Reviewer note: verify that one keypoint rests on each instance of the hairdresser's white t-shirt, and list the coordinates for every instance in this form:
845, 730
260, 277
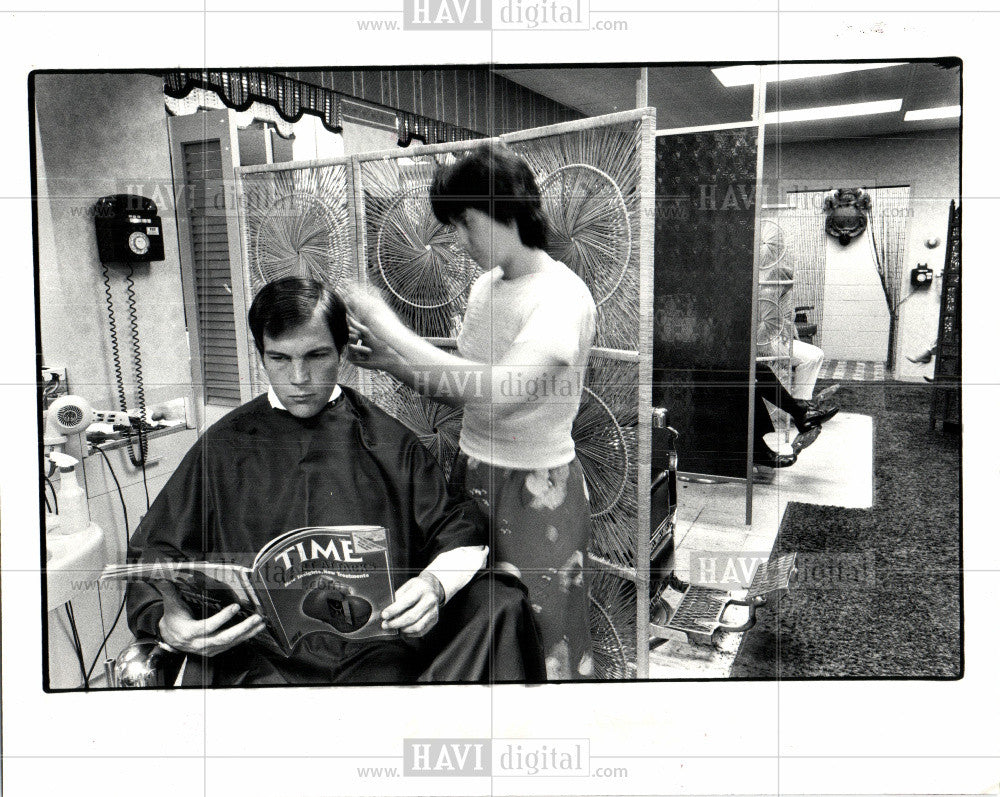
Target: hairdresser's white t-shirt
554, 308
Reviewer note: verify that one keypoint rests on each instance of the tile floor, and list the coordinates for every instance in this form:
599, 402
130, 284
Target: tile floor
852, 370
836, 470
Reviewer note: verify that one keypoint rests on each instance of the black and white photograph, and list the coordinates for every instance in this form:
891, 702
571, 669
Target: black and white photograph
560, 423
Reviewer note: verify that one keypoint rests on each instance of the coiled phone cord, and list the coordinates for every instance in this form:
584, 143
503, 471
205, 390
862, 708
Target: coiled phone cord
140, 395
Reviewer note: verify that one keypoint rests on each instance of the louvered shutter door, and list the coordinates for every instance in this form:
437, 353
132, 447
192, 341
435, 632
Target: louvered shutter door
210, 245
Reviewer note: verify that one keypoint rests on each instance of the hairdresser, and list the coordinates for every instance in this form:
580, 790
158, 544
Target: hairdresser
522, 354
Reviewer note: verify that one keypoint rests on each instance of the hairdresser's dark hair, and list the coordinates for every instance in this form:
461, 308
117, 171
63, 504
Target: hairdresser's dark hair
495, 181
287, 303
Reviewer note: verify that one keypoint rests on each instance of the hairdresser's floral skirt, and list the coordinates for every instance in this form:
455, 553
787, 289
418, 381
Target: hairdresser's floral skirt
539, 529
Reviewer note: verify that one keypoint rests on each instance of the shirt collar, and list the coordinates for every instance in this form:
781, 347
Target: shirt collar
275, 402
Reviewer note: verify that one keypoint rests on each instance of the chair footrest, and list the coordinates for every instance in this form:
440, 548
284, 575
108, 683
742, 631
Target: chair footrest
771, 579
699, 614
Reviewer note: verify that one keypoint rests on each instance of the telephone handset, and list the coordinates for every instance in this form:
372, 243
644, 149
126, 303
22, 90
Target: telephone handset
128, 232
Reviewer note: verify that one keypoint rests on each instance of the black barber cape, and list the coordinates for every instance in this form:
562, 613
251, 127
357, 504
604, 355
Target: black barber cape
260, 472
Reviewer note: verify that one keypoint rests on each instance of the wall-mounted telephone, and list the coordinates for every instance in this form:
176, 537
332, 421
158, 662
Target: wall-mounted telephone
128, 229
921, 276
128, 232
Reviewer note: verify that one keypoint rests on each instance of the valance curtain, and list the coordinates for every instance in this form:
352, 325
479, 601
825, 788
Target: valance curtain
410, 126
240, 89
199, 98
888, 221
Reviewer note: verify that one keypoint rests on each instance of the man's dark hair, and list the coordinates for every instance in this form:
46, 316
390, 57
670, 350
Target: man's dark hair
290, 302
497, 182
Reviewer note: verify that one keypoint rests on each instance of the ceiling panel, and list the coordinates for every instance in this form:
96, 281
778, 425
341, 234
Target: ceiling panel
691, 95
591, 90
687, 96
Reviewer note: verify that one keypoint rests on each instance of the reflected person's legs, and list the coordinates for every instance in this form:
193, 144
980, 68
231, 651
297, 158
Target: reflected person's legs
770, 387
806, 363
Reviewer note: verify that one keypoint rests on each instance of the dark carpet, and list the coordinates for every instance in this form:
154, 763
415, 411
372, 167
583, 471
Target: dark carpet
877, 593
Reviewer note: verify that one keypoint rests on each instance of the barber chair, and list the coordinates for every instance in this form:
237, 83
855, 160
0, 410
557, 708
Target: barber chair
804, 330
144, 664
700, 612
663, 515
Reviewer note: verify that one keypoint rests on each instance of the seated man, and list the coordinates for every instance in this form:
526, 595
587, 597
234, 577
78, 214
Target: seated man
313, 453
806, 359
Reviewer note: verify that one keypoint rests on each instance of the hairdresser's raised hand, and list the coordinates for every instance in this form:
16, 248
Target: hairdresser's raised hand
366, 306
366, 349
180, 631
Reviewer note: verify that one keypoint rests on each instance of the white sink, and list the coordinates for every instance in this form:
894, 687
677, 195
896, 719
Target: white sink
74, 562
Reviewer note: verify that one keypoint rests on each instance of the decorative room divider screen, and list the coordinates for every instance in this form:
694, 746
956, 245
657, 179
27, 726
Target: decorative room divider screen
705, 295
368, 219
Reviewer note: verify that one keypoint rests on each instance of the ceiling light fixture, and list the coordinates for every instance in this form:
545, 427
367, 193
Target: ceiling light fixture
832, 111
730, 76
945, 112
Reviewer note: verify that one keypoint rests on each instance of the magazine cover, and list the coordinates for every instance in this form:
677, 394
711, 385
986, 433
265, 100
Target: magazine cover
325, 579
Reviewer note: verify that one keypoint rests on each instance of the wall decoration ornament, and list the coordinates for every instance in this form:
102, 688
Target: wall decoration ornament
603, 451
408, 254
437, 425
772, 245
846, 213
774, 305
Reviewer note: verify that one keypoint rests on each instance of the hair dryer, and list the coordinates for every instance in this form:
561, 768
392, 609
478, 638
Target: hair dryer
73, 414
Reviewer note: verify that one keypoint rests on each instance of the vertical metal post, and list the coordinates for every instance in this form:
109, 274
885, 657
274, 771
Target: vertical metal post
759, 96
642, 88
647, 211
356, 208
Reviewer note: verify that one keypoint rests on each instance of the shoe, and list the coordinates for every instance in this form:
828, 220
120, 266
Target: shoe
924, 357
813, 418
805, 439
771, 460
824, 395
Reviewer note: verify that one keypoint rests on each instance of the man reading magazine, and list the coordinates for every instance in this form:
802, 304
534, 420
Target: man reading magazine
313, 453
